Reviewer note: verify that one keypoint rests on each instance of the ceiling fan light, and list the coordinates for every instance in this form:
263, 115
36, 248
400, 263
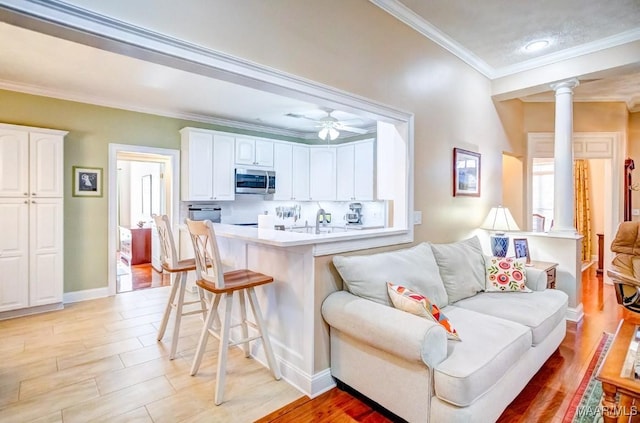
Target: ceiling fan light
324, 132
333, 133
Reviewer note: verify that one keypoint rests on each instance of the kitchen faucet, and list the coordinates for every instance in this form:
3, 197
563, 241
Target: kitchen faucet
320, 216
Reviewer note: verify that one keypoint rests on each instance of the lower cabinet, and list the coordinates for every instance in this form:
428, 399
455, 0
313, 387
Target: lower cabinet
31, 252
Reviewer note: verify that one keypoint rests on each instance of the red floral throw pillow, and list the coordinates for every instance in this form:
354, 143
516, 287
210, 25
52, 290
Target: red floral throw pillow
506, 274
414, 303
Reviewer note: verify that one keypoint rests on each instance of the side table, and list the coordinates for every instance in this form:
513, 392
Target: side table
617, 387
549, 268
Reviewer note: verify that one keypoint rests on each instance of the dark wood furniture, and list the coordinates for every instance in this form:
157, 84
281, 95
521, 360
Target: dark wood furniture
617, 386
135, 245
548, 267
600, 252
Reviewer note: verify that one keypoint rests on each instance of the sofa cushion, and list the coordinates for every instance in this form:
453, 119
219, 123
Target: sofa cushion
367, 276
505, 274
541, 311
491, 347
414, 303
461, 266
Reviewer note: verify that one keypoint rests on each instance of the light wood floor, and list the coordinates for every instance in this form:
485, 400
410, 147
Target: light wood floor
99, 361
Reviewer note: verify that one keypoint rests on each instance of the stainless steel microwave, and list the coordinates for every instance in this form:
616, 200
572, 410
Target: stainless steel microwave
255, 181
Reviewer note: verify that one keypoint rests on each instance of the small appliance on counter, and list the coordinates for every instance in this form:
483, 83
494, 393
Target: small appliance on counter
205, 213
354, 217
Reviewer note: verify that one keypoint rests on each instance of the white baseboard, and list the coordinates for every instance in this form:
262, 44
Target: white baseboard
87, 294
575, 314
30, 310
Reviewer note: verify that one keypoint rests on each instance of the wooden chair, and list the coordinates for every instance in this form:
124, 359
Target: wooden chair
179, 268
538, 222
223, 285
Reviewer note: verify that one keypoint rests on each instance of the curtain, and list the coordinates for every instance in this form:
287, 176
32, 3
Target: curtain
583, 207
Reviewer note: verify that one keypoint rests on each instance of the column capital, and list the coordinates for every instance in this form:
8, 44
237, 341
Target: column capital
565, 86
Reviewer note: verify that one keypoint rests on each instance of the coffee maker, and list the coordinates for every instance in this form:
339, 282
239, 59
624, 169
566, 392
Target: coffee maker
354, 217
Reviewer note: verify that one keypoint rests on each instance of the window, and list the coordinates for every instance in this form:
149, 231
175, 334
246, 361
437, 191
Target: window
542, 190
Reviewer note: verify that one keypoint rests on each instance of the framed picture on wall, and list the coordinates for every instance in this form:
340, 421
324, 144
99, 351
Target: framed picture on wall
521, 247
466, 173
87, 181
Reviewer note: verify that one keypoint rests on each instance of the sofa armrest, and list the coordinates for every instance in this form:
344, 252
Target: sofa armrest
395, 331
536, 279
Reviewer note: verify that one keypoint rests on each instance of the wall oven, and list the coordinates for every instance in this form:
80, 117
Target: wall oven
255, 181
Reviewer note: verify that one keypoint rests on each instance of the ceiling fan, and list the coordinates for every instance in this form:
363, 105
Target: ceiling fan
330, 127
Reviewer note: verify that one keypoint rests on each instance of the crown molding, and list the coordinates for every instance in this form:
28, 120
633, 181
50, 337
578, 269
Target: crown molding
409, 17
195, 117
406, 15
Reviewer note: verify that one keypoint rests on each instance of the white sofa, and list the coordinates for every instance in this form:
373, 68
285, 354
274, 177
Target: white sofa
405, 362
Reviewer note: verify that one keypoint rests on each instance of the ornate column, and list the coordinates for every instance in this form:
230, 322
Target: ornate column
563, 198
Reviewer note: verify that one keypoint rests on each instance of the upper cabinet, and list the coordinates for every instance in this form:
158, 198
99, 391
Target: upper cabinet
254, 152
355, 171
322, 173
207, 165
31, 162
291, 164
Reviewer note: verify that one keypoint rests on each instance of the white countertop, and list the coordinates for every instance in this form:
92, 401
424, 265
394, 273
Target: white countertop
292, 239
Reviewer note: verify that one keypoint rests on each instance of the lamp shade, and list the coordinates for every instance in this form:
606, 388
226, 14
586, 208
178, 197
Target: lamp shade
499, 219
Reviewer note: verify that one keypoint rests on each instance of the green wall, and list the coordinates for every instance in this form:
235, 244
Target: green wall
91, 130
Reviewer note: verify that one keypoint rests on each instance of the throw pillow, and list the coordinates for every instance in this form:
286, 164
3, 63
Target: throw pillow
366, 275
414, 303
461, 267
506, 274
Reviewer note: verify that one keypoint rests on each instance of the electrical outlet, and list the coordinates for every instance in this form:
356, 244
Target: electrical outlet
635, 212
417, 217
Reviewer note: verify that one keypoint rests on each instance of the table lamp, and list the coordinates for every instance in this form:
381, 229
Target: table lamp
499, 220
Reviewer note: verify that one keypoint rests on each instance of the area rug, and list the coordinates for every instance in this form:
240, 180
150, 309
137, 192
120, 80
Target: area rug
585, 404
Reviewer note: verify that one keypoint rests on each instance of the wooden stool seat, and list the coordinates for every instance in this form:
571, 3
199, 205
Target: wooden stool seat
171, 264
223, 285
235, 280
181, 266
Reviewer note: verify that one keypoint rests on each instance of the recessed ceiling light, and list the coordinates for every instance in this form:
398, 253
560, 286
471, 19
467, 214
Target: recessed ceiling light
536, 45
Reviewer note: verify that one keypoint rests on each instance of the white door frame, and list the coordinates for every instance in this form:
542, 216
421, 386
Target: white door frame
174, 169
609, 146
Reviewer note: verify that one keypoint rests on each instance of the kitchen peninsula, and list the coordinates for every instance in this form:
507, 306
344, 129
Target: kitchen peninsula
299, 263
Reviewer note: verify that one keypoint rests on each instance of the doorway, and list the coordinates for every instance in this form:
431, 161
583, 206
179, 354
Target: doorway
145, 181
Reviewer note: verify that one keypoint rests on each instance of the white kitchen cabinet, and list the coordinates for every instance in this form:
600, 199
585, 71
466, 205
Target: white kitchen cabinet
291, 164
354, 170
322, 173
31, 162
207, 165
14, 253
300, 171
31, 218
45, 251
254, 152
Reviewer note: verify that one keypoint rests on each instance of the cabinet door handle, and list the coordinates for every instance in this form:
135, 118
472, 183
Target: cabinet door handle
26, 202
26, 193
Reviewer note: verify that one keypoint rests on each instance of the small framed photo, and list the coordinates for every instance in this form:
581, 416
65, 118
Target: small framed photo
521, 247
466, 173
87, 181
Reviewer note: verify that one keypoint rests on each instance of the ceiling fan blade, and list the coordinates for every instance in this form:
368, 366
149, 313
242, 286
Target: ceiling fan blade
355, 130
297, 116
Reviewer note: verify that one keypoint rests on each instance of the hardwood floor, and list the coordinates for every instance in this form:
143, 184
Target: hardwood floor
139, 276
99, 360
546, 397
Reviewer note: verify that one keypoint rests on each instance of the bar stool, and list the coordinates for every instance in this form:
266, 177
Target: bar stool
179, 268
223, 284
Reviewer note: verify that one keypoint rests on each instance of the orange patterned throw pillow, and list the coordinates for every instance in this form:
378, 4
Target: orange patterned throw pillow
506, 274
414, 303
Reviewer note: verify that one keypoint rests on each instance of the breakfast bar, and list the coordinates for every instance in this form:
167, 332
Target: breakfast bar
299, 262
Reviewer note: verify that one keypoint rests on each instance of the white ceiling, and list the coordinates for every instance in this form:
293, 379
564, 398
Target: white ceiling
486, 34
490, 35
